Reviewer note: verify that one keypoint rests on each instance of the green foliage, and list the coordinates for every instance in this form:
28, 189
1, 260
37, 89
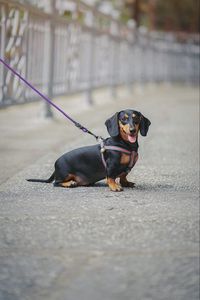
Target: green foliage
181, 15
173, 15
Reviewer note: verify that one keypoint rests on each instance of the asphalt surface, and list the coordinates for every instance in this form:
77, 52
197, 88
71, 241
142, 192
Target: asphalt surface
90, 243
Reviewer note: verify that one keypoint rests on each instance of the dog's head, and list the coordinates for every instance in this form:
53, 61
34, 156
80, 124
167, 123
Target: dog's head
127, 124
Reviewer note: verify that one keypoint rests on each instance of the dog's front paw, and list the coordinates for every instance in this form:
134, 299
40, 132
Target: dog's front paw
115, 187
127, 184
124, 182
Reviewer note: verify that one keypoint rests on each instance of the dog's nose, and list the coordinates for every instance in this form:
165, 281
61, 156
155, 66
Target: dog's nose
132, 130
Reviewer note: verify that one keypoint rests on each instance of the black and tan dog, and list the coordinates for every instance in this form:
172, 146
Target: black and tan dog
87, 165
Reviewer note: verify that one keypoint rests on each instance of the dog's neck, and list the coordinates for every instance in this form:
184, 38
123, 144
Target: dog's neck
117, 141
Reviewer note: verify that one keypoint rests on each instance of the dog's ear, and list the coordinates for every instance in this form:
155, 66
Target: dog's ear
112, 125
144, 125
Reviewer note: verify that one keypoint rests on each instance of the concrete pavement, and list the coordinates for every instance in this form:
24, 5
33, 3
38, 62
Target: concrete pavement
90, 243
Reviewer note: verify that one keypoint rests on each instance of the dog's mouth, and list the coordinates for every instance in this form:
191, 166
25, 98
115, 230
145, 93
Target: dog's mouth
132, 138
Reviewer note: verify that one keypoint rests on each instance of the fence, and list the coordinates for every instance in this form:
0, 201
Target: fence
60, 54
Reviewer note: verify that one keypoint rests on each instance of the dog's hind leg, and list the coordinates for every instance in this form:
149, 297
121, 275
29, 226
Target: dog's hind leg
68, 182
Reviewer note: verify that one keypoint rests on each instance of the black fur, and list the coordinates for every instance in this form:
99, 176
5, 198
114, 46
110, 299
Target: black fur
85, 163
112, 125
144, 125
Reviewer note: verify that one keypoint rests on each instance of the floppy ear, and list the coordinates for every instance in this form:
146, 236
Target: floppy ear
112, 125
144, 125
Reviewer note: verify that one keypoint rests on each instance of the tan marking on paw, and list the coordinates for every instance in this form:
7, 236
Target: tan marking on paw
69, 184
113, 185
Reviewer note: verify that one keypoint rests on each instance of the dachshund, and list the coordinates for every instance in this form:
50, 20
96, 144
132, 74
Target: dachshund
112, 159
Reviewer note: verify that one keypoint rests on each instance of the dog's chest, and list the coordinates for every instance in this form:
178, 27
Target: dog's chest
125, 159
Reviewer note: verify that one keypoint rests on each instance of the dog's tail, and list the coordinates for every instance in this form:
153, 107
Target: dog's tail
51, 178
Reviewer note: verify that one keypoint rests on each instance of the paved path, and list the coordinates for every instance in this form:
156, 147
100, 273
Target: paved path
93, 244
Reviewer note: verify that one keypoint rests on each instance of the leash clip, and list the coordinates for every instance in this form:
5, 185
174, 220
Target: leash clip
101, 142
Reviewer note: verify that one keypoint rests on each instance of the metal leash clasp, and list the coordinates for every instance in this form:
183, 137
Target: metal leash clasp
101, 142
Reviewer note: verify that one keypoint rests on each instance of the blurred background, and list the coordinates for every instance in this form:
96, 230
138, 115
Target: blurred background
95, 58
69, 46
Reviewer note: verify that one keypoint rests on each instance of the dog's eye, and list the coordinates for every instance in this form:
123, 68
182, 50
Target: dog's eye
124, 118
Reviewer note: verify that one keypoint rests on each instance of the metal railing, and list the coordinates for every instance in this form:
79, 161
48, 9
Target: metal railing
62, 55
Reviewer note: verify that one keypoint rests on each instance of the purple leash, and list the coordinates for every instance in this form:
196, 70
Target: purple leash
48, 100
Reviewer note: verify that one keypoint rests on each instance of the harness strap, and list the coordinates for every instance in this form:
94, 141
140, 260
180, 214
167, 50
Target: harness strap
133, 160
103, 160
119, 149
133, 154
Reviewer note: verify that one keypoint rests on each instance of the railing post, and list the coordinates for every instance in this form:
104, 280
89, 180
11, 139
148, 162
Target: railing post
89, 97
114, 71
2, 51
47, 109
114, 31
